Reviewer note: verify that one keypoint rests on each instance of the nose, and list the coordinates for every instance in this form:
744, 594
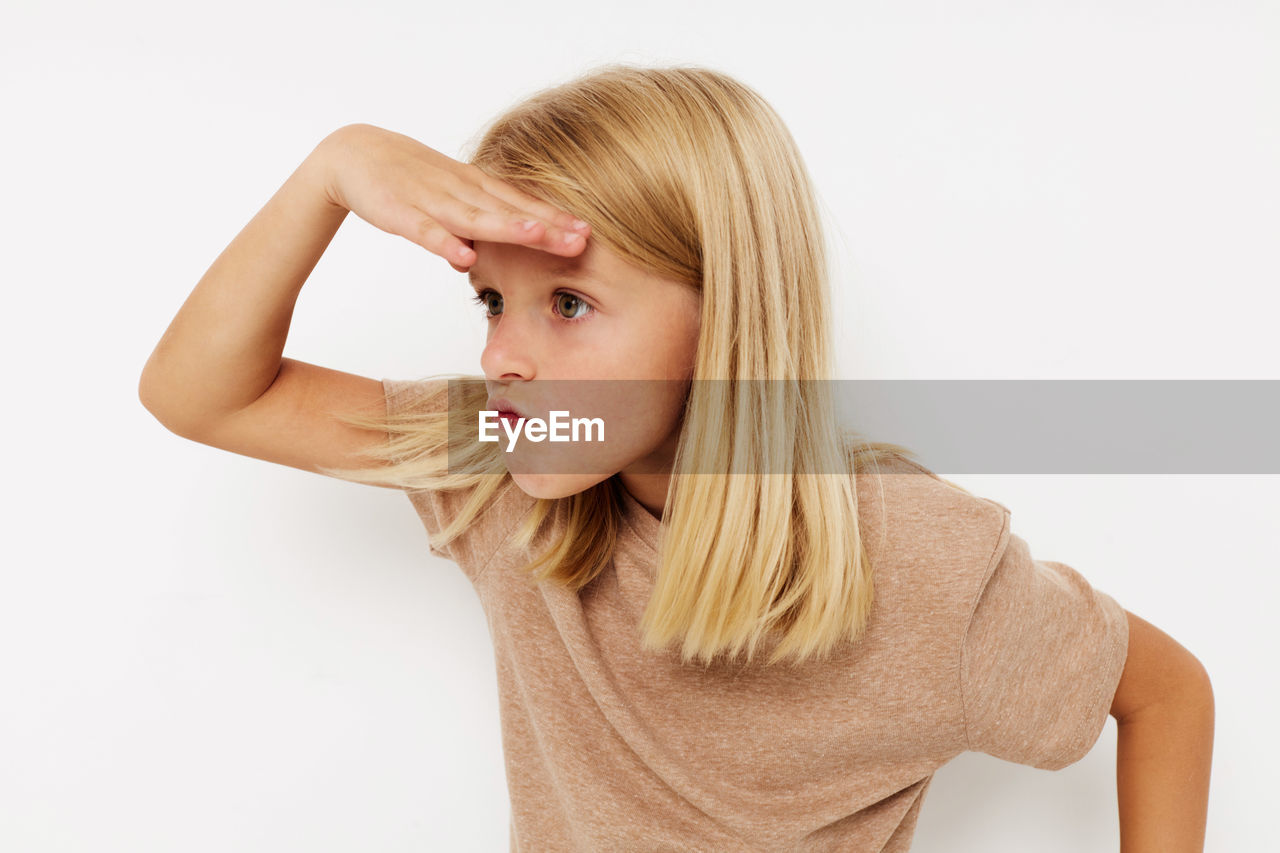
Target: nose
508, 352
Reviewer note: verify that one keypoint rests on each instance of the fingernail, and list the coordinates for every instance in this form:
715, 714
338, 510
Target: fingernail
580, 225
570, 237
528, 224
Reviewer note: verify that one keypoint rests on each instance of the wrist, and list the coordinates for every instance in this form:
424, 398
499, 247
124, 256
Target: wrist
319, 172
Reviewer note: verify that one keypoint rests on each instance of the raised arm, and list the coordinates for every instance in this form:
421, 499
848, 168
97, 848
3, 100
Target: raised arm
218, 375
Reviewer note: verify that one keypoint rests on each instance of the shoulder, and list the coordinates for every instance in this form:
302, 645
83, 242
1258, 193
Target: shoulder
417, 395
486, 507
925, 513
931, 542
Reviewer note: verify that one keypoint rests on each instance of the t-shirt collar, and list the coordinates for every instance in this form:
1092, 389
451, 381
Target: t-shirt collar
639, 519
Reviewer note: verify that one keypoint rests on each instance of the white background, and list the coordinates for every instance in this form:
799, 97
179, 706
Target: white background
206, 652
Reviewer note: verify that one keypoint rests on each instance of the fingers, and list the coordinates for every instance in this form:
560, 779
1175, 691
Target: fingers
435, 237
483, 217
560, 241
517, 199
554, 228
471, 258
465, 204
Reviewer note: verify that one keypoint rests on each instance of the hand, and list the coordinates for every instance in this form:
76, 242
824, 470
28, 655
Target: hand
401, 186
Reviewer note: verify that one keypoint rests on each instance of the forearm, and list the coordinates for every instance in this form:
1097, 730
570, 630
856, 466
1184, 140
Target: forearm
223, 349
1164, 753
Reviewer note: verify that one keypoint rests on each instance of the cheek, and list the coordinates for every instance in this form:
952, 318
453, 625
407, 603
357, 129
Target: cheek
666, 352
638, 413
682, 346
649, 423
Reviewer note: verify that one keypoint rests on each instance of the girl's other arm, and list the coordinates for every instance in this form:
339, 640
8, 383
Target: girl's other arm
1164, 713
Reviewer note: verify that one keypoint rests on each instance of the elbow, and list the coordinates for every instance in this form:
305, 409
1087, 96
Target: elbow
153, 401
149, 400
146, 398
147, 395
143, 393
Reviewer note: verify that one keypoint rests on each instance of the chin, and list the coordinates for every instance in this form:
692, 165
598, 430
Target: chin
551, 486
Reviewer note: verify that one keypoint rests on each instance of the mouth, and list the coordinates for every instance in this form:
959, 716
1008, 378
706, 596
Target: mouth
505, 409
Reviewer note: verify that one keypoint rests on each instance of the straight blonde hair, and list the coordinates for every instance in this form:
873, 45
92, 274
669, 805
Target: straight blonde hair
688, 173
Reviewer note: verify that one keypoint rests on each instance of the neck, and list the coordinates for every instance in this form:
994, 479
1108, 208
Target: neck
649, 490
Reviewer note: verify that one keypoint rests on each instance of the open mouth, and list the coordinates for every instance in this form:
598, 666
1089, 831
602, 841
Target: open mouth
505, 409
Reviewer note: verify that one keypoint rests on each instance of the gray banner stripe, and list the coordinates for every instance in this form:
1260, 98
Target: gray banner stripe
1074, 426
956, 426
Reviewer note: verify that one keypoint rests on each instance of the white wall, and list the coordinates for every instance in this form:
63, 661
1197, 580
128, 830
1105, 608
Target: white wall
201, 651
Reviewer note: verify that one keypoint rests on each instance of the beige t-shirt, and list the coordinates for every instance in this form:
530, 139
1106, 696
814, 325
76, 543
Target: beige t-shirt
972, 645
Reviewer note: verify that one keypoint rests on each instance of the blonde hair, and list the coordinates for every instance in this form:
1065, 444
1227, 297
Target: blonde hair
691, 174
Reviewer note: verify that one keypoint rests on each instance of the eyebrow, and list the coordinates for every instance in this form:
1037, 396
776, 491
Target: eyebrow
558, 271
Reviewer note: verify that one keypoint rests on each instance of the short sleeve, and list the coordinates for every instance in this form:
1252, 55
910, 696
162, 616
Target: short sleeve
1042, 657
472, 549
425, 396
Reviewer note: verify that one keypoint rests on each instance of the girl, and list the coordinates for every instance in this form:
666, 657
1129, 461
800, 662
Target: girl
739, 627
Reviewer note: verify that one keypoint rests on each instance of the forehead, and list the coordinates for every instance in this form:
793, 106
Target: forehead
498, 262
557, 271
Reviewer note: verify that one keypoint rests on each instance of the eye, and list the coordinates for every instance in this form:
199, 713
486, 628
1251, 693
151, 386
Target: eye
563, 298
571, 307
483, 297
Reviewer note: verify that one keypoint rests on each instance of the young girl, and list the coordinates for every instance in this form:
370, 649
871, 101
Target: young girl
739, 627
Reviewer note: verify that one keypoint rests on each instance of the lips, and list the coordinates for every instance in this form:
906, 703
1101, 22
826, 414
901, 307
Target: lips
504, 406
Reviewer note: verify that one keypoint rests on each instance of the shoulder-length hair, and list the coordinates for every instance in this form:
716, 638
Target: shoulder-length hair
688, 173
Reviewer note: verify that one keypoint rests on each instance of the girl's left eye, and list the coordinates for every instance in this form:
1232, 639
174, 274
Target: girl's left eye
577, 308
573, 301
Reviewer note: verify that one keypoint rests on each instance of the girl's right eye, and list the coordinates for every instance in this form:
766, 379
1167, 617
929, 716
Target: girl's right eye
483, 298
